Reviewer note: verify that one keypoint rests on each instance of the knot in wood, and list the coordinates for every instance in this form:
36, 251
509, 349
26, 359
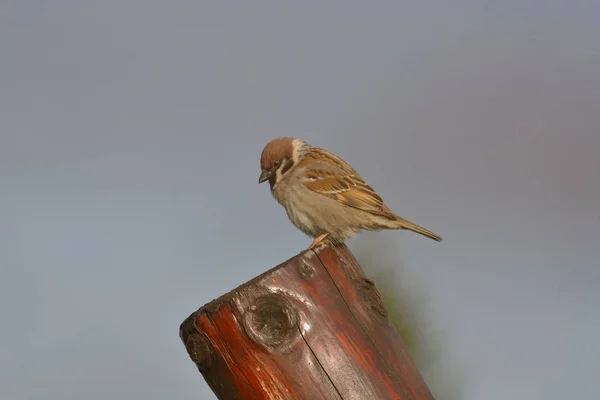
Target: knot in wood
271, 320
371, 298
306, 270
197, 347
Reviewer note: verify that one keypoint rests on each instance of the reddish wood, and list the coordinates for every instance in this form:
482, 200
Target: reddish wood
313, 327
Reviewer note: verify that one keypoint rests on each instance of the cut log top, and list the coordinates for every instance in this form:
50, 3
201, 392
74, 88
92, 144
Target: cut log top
313, 327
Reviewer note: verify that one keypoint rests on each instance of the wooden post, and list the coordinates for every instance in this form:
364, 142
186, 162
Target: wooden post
311, 328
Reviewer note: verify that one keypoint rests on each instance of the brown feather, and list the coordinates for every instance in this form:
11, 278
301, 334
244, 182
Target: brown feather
276, 150
342, 183
411, 226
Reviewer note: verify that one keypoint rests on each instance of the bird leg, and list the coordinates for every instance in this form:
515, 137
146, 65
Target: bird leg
319, 241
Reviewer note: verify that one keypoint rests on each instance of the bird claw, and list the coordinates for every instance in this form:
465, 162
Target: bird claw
320, 241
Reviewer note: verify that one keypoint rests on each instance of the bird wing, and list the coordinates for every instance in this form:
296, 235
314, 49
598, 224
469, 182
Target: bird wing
332, 177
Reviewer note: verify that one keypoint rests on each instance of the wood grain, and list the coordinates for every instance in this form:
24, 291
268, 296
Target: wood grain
313, 327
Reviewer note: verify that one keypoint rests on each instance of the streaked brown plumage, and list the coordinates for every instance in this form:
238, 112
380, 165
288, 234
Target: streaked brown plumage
324, 196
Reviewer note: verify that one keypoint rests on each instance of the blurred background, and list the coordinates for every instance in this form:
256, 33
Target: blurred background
130, 137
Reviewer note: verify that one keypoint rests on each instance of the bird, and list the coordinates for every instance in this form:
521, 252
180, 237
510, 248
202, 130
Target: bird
324, 196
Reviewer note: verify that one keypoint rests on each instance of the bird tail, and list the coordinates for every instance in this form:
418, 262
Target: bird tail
404, 224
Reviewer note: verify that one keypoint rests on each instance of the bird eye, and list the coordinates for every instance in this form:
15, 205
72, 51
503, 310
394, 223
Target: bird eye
277, 163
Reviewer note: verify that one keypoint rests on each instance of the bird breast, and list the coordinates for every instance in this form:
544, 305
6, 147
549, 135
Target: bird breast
296, 201
314, 213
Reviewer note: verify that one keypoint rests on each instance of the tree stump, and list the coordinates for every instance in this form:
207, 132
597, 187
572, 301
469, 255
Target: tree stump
311, 328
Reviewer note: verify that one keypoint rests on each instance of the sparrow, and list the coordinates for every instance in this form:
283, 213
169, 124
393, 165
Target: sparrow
323, 195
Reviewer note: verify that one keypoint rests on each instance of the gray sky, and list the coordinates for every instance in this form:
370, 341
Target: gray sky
129, 153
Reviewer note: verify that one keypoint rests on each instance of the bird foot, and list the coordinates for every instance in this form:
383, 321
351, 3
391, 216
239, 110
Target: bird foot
320, 241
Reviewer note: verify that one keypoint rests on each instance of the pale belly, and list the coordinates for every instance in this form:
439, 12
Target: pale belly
302, 220
315, 214
299, 208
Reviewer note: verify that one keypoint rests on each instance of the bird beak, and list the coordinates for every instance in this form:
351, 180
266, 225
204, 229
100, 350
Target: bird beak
264, 176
